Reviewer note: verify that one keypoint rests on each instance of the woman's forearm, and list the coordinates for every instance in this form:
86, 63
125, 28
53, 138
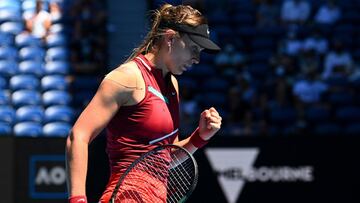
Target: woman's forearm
76, 165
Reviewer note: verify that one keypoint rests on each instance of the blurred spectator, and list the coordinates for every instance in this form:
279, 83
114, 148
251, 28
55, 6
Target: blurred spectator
229, 60
291, 45
328, 13
189, 109
310, 89
39, 24
268, 13
88, 41
55, 12
295, 11
316, 42
232, 123
309, 61
338, 61
281, 94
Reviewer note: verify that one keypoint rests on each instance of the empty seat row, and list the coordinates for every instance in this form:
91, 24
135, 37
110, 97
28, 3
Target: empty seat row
10, 68
36, 114
33, 53
31, 82
35, 129
32, 97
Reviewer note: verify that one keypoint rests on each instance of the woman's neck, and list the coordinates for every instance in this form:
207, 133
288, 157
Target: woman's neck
157, 62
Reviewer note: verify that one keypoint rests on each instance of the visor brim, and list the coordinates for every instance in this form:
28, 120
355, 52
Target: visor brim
208, 45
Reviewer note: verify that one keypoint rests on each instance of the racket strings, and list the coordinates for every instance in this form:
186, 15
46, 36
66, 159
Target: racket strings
133, 180
168, 176
180, 177
149, 166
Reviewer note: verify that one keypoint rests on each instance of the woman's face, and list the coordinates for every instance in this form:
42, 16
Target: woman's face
183, 53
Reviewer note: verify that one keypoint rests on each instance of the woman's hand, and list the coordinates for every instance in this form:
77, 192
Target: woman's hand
209, 124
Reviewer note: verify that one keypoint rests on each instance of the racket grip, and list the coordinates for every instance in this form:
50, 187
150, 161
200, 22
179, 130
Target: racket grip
78, 199
196, 140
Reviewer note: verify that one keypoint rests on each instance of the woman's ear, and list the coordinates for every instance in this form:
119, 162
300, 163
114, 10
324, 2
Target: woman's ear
169, 36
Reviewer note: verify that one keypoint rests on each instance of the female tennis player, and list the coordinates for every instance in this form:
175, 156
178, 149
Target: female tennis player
138, 102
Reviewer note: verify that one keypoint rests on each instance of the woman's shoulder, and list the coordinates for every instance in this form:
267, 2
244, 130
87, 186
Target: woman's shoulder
126, 75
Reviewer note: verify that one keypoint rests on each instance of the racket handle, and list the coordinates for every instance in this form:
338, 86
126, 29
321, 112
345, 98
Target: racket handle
78, 199
196, 140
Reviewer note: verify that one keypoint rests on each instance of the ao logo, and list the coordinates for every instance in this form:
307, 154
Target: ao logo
50, 176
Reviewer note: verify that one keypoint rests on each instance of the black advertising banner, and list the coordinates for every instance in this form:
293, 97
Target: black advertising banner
40, 170
231, 170
279, 169
6, 168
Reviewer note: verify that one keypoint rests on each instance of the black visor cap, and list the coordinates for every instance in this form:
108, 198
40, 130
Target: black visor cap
199, 34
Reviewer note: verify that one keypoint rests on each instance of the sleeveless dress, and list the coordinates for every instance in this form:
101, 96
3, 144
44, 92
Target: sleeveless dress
137, 129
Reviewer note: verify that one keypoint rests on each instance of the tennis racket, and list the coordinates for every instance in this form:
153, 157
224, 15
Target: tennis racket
168, 173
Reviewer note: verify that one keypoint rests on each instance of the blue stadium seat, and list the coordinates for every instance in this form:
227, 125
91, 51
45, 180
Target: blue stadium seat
56, 129
8, 53
57, 54
201, 71
28, 5
86, 83
353, 129
27, 14
258, 70
57, 28
56, 40
328, 129
57, 67
246, 31
215, 99
54, 82
241, 19
29, 82
348, 114
27, 129
31, 67
5, 129
7, 114
30, 113
350, 16
56, 97
218, 18
262, 43
59, 113
82, 98
216, 84
3, 83
8, 68
340, 98
5, 39
5, 96
317, 114
10, 15
26, 97
32, 53
274, 32
261, 56
337, 81
355, 84
283, 115
13, 28
10, 5
187, 82
26, 39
